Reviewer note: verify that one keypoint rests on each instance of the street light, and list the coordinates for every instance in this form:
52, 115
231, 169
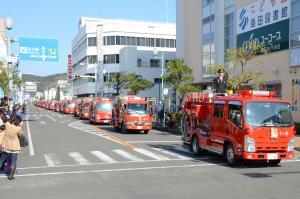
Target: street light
155, 52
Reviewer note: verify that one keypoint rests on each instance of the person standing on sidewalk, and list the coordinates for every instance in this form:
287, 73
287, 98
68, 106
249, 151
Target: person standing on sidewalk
11, 145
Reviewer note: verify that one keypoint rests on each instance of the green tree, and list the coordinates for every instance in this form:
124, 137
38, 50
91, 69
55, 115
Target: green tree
4, 78
117, 82
16, 78
239, 58
135, 83
180, 77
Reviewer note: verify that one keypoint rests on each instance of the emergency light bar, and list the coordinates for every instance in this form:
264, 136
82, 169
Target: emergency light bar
256, 93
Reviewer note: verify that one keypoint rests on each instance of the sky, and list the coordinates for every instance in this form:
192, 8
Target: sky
58, 19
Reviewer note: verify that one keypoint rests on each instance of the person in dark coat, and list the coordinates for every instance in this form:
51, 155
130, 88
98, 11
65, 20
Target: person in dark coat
220, 82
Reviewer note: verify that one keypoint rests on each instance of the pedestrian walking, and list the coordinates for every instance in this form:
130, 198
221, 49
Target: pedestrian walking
220, 82
11, 145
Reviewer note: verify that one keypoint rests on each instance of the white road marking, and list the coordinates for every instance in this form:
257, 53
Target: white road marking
98, 133
58, 114
79, 158
51, 160
30, 143
51, 118
103, 157
154, 141
34, 115
42, 123
150, 154
127, 155
107, 163
41, 115
173, 154
115, 170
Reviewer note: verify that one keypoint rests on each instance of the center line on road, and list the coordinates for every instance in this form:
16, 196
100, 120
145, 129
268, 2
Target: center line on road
51, 118
31, 150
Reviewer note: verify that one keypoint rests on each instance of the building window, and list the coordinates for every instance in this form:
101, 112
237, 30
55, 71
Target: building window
105, 77
154, 63
229, 31
137, 41
295, 34
111, 59
157, 80
158, 44
139, 62
123, 40
118, 42
92, 59
92, 41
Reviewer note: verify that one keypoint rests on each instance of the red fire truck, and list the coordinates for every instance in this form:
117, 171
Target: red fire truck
101, 111
131, 113
84, 113
251, 125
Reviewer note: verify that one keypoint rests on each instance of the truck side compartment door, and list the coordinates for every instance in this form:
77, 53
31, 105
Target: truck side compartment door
218, 123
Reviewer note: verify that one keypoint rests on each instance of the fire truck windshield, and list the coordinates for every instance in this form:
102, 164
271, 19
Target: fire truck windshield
71, 105
86, 106
268, 114
137, 109
104, 106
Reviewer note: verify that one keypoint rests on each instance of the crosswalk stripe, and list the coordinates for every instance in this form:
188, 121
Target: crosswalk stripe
172, 153
51, 160
79, 158
103, 157
150, 154
127, 155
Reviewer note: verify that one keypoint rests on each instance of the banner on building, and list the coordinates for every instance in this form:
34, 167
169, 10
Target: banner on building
69, 67
37, 49
264, 22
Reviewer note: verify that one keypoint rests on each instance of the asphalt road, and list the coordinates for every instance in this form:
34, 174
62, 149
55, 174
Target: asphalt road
69, 158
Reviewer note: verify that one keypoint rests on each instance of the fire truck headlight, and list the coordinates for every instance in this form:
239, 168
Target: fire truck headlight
291, 144
249, 144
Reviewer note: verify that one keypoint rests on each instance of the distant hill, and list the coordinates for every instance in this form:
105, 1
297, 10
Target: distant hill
49, 81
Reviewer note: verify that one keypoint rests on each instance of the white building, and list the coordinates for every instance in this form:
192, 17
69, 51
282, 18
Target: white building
105, 46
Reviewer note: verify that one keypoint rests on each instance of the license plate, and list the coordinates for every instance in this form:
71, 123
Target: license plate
272, 156
105, 121
139, 127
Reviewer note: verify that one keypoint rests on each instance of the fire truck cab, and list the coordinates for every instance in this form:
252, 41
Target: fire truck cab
251, 125
131, 113
101, 111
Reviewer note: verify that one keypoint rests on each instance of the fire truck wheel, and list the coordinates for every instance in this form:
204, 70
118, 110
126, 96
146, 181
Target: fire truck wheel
230, 155
146, 131
195, 146
274, 162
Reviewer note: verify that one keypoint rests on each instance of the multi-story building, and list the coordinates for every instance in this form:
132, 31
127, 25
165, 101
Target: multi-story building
3, 43
105, 46
206, 28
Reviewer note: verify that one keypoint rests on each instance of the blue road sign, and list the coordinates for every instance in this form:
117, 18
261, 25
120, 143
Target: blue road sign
1, 93
36, 49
